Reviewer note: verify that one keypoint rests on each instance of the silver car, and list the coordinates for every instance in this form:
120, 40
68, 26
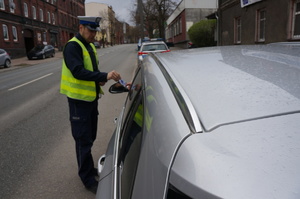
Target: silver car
4, 59
218, 122
151, 47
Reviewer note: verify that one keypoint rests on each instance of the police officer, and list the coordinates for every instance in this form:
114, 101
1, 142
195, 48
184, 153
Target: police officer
81, 82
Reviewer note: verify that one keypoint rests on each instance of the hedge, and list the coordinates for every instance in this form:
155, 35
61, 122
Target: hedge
202, 33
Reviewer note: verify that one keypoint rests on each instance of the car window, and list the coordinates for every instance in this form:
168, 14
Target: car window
135, 89
153, 47
38, 48
130, 144
131, 137
1, 51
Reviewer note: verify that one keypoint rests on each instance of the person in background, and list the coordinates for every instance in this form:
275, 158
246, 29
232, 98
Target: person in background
81, 82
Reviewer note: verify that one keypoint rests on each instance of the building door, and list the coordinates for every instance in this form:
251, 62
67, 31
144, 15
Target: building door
28, 39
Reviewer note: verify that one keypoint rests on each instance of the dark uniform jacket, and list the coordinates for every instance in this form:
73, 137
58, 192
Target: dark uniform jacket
74, 61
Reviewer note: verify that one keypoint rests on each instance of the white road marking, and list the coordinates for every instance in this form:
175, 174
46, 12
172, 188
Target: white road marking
30, 82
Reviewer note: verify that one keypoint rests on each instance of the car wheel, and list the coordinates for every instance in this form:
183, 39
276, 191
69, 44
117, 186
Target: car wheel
7, 63
44, 56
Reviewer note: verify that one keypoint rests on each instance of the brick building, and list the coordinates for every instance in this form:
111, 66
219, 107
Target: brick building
27, 23
258, 21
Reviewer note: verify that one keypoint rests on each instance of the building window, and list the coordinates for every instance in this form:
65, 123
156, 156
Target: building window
261, 25
53, 18
12, 6
15, 33
2, 6
49, 17
44, 36
25, 10
33, 12
296, 19
41, 15
5, 32
180, 25
237, 30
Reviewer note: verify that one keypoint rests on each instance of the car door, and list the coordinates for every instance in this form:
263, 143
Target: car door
2, 57
46, 51
122, 156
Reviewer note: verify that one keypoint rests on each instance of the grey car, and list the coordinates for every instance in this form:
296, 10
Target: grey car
152, 47
4, 59
218, 122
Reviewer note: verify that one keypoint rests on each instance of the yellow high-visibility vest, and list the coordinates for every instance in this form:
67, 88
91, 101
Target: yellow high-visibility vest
75, 88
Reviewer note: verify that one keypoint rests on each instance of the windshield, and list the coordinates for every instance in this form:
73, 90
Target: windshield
38, 48
153, 47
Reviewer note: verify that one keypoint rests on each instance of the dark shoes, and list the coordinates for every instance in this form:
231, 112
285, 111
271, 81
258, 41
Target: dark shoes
93, 188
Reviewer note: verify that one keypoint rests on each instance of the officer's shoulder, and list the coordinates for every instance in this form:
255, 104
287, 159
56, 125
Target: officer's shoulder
72, 45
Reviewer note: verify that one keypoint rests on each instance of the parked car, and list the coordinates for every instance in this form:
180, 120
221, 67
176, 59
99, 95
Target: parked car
191, 45
152, 47
41, 52
97, 44
4, 59
217, 122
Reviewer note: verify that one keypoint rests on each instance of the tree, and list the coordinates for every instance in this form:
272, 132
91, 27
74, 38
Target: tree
155, 14
202, 33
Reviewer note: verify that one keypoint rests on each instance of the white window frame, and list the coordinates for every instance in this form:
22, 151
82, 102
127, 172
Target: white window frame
15, 33
2, 6
12, 6
41, 15
53, 18
237, 30
261, 25
296, 14
33, 12
5, 32
25, 10
49, 17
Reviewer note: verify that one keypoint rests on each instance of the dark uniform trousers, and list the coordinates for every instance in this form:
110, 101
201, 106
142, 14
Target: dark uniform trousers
84, 119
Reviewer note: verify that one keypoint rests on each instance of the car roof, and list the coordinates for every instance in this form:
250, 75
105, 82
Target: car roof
153, 42
233, 84
247, 102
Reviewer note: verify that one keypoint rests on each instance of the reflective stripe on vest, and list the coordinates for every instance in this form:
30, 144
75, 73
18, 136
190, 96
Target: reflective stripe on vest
138, 117
75, 88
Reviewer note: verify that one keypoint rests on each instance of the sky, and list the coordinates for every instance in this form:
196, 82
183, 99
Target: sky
121, 7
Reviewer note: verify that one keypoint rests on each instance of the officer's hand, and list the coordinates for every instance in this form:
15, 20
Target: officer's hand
113, 75
128, 85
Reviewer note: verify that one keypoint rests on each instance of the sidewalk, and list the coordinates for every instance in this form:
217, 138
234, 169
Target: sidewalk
24, 61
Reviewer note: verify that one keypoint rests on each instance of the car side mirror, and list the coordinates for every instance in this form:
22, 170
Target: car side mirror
117, 88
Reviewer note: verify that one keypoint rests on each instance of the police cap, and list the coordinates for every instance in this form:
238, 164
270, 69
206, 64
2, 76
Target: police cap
91, 23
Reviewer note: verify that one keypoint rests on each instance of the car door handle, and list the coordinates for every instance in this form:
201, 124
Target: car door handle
101, 163
115, 120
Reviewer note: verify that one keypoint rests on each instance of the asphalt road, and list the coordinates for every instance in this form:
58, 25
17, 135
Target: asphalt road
37, 156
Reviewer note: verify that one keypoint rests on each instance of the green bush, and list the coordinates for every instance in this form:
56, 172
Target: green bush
202, 33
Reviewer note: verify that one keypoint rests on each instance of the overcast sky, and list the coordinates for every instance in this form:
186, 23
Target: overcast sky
121, 7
